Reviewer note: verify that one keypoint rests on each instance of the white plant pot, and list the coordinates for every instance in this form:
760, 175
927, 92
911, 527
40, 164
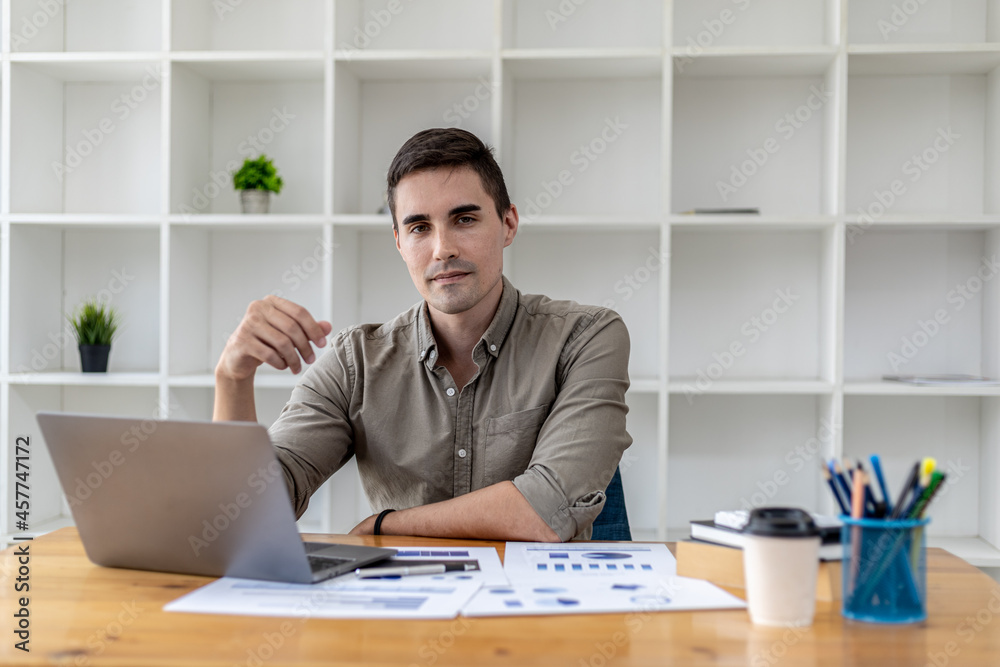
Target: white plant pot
255, 201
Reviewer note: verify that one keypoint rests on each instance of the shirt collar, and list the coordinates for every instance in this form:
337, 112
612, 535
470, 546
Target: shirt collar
492, 339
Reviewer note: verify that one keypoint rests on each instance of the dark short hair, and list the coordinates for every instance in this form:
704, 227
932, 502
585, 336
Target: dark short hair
448, 147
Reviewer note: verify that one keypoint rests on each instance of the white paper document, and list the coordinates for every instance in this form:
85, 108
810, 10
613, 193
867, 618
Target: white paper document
581, 561
490, 572
409, 597
598, 596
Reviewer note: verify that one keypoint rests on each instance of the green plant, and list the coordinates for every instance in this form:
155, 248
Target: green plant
259, 174
95, 323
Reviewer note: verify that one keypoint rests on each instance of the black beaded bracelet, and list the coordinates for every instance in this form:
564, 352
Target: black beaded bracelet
378, 521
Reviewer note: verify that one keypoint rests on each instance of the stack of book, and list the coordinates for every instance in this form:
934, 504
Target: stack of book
726, 529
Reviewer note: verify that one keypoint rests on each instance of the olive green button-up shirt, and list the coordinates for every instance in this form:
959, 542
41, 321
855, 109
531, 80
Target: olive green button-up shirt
546, 410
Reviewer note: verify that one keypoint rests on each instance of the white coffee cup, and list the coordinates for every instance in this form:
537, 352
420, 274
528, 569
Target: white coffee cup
780, 566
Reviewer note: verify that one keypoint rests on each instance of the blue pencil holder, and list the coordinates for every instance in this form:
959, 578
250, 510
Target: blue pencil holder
885, 570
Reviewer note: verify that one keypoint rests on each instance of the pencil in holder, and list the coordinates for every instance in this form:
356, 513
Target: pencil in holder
885, 570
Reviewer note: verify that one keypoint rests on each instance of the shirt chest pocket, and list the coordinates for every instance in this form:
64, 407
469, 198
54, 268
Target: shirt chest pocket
510, 442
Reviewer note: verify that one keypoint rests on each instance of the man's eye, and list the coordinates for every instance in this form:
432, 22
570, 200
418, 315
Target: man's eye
466, 219
417, 229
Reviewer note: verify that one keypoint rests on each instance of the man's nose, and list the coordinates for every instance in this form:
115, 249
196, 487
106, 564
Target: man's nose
445, 244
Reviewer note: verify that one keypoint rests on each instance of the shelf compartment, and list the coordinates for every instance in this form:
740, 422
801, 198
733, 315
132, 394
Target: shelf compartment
75, 127
602, 147
366, 26
748, 23
105, 25
48, 503
371, 125
689, 386
640, 464
902, 430
288, 25
219, 122
617, 270
752, 308
757, 451
752, 142
216, 274
416, 65
919, 303
595, 24
582, 63
735, 61
59, 379
936, 138
373, 284
943, 21
116, 265
923, 59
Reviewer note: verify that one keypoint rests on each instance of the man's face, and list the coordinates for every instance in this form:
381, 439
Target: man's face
450, 237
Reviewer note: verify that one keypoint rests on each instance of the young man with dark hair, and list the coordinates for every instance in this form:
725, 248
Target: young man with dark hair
480, 412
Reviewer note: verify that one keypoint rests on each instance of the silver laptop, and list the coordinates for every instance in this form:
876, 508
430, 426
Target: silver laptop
191, 497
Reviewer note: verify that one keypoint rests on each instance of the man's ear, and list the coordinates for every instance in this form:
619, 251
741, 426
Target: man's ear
510, 223
395, 235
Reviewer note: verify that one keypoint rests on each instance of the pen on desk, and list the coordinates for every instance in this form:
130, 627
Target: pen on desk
436, 568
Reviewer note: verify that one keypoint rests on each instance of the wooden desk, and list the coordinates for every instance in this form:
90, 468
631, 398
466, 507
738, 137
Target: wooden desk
82, 614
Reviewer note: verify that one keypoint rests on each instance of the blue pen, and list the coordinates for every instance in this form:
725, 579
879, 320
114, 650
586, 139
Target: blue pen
877, 467
839, 476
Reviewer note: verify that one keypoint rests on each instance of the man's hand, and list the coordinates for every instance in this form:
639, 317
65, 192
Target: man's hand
273, 331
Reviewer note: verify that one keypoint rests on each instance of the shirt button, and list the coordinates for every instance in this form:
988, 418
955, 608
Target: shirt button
461, 453
493, 348
450, 392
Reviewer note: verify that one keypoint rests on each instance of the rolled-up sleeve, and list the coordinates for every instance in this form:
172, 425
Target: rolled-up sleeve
583, 438
313, 437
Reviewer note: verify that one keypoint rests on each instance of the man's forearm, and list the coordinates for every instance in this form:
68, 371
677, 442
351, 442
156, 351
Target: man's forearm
234, 401
497, 512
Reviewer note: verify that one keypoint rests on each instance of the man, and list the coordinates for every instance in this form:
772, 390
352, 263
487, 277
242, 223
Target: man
478, 413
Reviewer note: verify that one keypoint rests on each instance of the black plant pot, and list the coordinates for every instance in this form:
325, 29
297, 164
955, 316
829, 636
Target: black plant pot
94, 358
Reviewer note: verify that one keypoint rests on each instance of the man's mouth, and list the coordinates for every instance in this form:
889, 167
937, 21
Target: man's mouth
449, 277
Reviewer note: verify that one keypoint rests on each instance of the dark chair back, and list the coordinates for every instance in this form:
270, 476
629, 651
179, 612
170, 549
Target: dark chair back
612, 522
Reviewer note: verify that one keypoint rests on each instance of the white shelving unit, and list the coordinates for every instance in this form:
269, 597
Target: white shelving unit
869, 140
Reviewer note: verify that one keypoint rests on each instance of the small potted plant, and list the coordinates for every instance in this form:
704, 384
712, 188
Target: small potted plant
96, 325
256, 180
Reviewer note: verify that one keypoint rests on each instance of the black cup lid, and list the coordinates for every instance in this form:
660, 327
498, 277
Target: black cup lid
781, 522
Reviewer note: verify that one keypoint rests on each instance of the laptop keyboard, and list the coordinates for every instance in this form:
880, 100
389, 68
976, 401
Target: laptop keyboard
319, 563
